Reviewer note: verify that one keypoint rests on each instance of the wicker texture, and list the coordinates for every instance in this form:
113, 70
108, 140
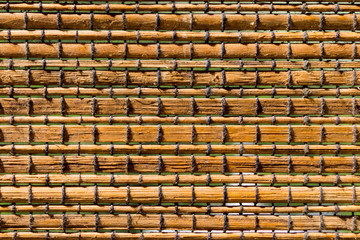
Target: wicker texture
179, 120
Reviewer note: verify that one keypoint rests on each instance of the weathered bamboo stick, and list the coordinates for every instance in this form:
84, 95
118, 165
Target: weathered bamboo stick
181, 235
180, 164
301, 149
213, 36
179, 106
183, 51
175, 64
180, 133
54, 179
69, 222
181, 120
146, 209
180, 78
176, 194
185, 92
179, 22
180, 7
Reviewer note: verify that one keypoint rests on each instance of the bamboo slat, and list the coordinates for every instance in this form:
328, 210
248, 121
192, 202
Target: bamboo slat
178, 222
306, 120
179, 194
180, 78
181, 133
146, 209
54, 179
213, 36
279, 65
183, 51
180, 7
179, 106
183, 92
180, 234
180, 36
131, 21
302, 149
174, 179
181, 164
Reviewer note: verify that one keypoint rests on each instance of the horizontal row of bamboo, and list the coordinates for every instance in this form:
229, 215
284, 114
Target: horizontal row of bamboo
53, 179
183, 78
182, 51
177, 164
133, 21
180, 209
279, 65
179, 235
115, 7
69, 222
182, 92
181, 36
179, 106
98, 194
306, 120
181, 133
249, 148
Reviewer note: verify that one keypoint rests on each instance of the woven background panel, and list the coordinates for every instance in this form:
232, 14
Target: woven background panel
178, 120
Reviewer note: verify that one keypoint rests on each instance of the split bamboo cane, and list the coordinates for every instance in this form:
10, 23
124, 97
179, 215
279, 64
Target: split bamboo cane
180, 164
181, 235
153, 209
70, 222
130, 21
181, 133
54, 179
114, 7
254, 106
179, 194
300, 149
182, 92
213, 36
306, 120
224, 78
240, 64
182, 51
